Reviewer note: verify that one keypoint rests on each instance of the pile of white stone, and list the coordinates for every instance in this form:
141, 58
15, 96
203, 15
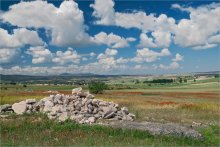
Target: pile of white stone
80, 107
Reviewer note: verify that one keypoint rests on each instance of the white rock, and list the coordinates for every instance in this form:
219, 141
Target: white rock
84, 101
56, 109
125, 110
110, 115
131, 115
108, 110
29, 107
77, 117
97, 116
63, 117
90, 96
48, 106
19, 108
77, 90
102, 103
30, 101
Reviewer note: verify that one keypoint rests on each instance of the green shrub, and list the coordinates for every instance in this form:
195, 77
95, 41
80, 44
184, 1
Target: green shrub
97, 87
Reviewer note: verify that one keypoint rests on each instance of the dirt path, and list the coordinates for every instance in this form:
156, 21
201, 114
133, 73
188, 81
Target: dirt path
157, 128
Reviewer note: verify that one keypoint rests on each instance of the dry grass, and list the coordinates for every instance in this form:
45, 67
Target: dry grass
165, 106
183, 108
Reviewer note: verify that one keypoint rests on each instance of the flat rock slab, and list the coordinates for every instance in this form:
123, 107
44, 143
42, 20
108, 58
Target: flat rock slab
19, 108
157, 128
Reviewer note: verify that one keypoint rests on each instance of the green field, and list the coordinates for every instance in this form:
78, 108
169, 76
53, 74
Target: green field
181, 103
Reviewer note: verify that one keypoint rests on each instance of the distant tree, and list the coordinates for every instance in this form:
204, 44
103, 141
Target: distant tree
137, 82
180, 80
13, 83
160, 81
194, 80
24, 85
216, 76
97, 87
185, 80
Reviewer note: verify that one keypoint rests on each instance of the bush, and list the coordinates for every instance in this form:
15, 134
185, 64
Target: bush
97, 87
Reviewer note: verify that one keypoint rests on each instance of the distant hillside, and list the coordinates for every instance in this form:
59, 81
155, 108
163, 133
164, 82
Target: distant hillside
207, 73
78, 74
63, 78
68, 77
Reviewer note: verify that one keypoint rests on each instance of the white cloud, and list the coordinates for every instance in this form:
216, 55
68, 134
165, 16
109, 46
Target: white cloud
122, 60
203, 24
112, 40
19, 38
106, 62
162, 38
69, 56
146, 41
66, 22
7, 55
173, 65
84, 59
147, 55
92, 54
104, 11
106, 15
178, 57
40, 54
138, 67
130, 39
111, 52
214, 39
205, 46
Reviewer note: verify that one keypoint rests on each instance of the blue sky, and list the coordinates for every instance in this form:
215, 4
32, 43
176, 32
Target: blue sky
109, 37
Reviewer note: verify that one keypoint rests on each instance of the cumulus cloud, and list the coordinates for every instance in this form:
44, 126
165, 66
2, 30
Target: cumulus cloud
161, 26
7, 55
172, 65
107, 62
160, 39
92, 54
40, 54
112, 40
147, 55
66, 22
111, 52
19, 38
205, 46
214, 39
69, 56
203, 23
106, 15
177, 58
146, 41
104, 11
122, 60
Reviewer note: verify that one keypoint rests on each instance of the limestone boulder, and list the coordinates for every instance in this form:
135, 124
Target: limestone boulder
19, 108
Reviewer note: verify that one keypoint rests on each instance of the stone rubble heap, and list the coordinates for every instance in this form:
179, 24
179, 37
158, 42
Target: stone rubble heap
80, 107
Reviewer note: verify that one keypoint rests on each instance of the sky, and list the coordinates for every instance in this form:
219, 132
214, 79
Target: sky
109, 37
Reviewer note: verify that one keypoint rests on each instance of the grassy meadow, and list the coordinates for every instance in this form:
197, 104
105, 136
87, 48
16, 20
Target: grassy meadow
177, 103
